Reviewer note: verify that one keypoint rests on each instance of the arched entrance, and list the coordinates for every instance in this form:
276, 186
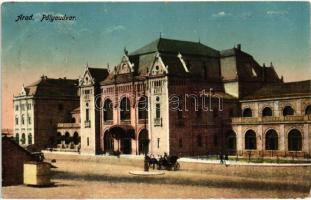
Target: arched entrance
108, 142
231, 142
143, 142
294, 140
124, 134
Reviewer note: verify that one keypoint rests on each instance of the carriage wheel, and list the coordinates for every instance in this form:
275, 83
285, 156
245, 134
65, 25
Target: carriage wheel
176, 166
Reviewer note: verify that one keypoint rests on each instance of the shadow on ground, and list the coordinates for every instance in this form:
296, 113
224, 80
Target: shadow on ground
217, 183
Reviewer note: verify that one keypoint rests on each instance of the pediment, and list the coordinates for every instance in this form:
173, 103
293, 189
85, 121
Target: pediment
87, 79
158, 66
125, 66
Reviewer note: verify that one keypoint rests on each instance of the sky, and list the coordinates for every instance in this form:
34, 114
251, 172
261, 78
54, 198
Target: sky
277, 32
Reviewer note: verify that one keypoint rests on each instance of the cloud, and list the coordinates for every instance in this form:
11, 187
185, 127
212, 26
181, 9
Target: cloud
221, 14
277, 12
114, 29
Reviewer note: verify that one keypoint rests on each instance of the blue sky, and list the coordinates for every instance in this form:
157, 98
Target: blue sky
277, 32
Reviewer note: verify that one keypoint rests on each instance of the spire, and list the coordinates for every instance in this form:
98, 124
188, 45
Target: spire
87, 65
125, 51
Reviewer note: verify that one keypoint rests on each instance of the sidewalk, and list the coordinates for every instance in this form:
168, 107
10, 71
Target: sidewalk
187, 160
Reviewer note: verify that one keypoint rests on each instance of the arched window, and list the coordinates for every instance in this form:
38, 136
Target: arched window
17, 138
73, 120
247, 112
199, 140
266, 112
272, 141
288, 111
67, 138
76, 138
143, 141
143, 108
250, 140
231, 140
29, 138
294, 140
125, 109
308, 110
23, 139
108, 110
23, 119
108, 142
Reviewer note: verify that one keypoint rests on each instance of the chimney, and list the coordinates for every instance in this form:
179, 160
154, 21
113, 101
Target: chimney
238, 46
65, 78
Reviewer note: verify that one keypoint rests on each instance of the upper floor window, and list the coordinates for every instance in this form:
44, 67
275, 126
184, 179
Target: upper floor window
23, 107
158, 110
266, 112
16, 107
308, 110
16, 120
288, 110
247, 112
108, 110
23, 119
125, 109
143, 108
29, 120
28, 106
87, 92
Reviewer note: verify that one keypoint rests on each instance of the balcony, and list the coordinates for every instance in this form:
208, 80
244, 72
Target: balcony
87, 124
157, 90
125, 122
142, 121
157, 121
68, 125
271, 119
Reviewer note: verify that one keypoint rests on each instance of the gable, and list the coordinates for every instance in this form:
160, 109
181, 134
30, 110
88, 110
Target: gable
87, 79
125, 66
158, 67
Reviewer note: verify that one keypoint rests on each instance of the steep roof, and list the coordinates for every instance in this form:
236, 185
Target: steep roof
98, 73
52, 87
282, 90
176, 46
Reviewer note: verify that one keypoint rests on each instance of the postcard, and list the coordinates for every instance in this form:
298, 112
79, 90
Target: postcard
155, 100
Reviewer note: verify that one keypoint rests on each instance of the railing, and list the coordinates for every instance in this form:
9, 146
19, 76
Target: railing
270, 119
126, 122
108, 122
68, 125
157, 121
157, 90
87, 124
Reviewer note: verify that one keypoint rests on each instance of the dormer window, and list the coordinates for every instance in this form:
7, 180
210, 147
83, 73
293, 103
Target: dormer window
254, 73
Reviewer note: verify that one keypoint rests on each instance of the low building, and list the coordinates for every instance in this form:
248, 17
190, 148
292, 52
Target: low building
13, 159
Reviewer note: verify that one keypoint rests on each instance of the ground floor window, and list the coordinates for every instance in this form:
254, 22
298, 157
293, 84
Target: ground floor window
271, 140
294, 140
250, 140
29, 138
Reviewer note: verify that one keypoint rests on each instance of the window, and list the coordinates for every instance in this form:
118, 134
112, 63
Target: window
23, 139
88, 141
143, 108
29, 138
87, 91
199, 140
294, 140
158, 143
22, 107
125, 109
87, 115
250, 140
28, 106
16, 120
231, 140
23, 119
16, 107
266, 112
17, 138
247, 112
29, 120
158, 110
308, 110
108, 110
288, 110
271, 140
67, 138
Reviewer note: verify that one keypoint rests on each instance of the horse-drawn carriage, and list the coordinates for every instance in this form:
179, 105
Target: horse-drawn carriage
165, 162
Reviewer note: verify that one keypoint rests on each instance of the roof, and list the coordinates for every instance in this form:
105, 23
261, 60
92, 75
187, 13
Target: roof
120, 78
176, 46
52, 87
98, 73
282, 90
